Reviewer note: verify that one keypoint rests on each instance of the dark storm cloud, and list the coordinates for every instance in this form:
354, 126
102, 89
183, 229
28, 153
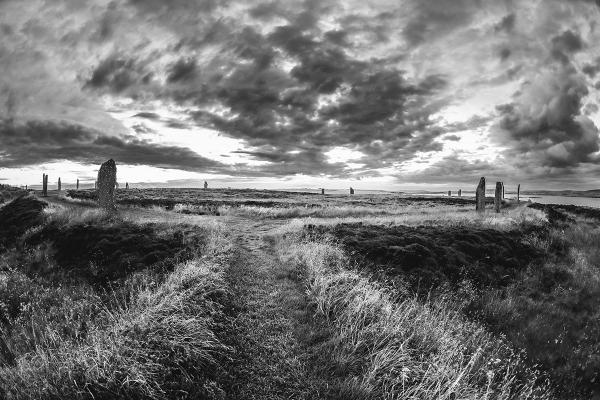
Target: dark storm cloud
304, 162
38, 142
372, 106
456, 169
507, 24
452, 138
432, 18
548, 128
591, 69
116, 74
565, 44
147, 115
293, 80
183, 70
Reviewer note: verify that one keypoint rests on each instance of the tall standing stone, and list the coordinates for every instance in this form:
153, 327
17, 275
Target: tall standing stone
126, 185
498, 196
459, 192
59, 185
45, 185
107, 179
205, 185
322, 191
480, 196
351, 191
77, 184
519, 193
449, 193
502, 190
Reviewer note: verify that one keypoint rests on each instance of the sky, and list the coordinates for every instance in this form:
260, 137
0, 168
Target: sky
373, 94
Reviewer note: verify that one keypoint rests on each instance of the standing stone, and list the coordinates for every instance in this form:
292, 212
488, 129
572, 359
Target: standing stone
126, 185
502, 190
77, 184
59, 185
26, 187
107, 179
519, 193
459, 193
45, 185
480, 196
351, 191
205, 185
498, 196
449, 193
322, 191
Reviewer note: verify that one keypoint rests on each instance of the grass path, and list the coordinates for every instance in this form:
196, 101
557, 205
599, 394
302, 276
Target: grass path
272, 328
273, 325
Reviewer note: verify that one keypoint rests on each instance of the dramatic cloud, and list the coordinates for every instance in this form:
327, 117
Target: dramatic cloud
412, 90
45, 141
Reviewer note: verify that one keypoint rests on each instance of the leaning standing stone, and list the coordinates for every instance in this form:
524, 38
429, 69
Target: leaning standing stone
480, 196
498, 196
107, 179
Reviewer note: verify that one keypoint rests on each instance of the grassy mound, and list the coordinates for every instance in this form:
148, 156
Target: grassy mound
18, 216
385, 347
427, 256
95, 307
109, 251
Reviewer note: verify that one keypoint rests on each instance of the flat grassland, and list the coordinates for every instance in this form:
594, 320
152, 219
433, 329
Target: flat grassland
239, 294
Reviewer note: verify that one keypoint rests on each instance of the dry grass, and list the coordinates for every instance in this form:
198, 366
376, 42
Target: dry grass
552, 311
437, 216
153, 336
72, 215
404, 349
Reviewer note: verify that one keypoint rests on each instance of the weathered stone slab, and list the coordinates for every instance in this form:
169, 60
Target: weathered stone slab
107, 179
519, 193
498, 196
480, 196
45, 185
59, 185
351, 191
459, 192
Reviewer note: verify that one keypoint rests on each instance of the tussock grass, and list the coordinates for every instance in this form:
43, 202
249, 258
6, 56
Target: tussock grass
160, 346
293, 211
73, 215
402, 348
152, 334
417, 213
442, 216
552, 310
